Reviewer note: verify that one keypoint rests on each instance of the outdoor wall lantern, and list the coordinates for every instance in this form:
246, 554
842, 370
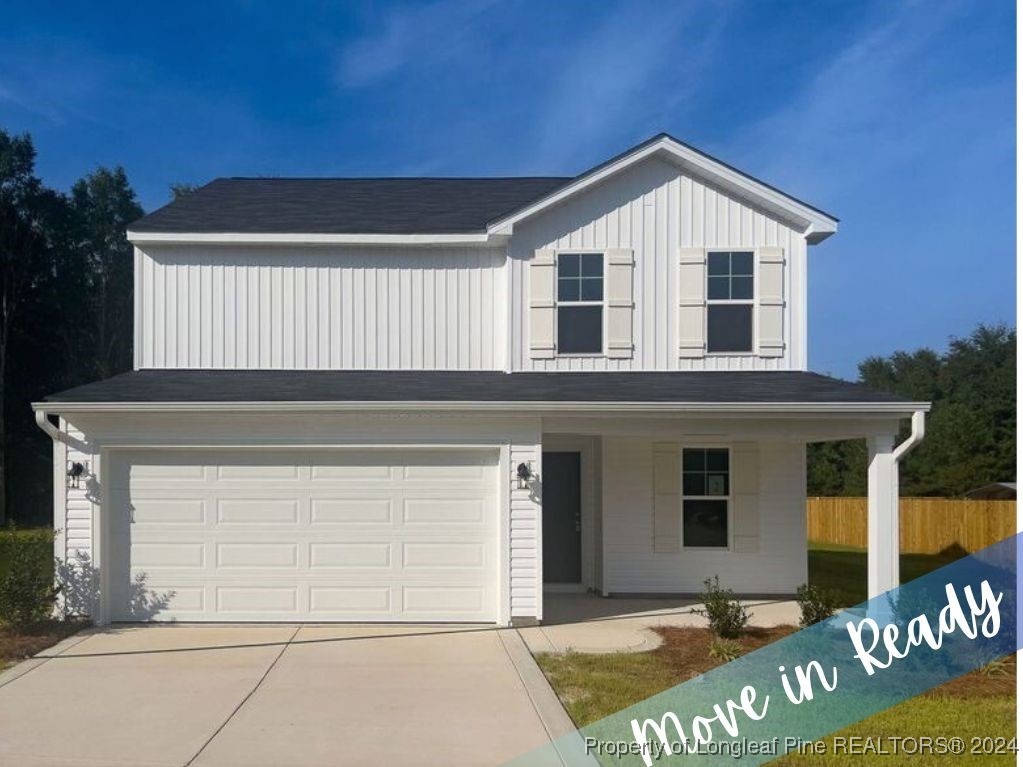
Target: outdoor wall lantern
524, 473
74, 474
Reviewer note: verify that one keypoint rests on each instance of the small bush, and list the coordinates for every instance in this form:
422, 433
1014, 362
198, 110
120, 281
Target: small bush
815, 604
28, 591
724, 650
726, 614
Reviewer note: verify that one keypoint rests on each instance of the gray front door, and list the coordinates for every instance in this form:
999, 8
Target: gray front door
562, 518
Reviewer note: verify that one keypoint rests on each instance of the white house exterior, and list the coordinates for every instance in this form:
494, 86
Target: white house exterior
434, 399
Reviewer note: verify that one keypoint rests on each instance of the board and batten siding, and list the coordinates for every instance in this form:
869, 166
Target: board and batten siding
633, 565
320, 308
654, 209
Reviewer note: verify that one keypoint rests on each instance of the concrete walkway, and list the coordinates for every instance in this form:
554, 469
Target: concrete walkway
592, 624
278, 695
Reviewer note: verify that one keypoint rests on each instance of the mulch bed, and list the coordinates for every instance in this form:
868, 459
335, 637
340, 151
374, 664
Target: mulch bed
19, 644
685, 650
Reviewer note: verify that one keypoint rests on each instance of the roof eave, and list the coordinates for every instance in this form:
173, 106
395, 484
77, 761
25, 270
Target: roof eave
311, 238
888, 409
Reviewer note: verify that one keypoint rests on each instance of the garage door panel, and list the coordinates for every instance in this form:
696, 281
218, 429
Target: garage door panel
160, 511
441, 511
155, 556
256, 555
443, 555
351, 511
270, 600
331, 602
350, 555
257, 511
391, 535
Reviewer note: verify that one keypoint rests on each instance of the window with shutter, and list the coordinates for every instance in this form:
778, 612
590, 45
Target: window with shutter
730, 302
580, 303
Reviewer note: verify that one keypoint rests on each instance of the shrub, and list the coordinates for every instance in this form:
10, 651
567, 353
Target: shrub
28, 591
724, 650
815, 604
725, 613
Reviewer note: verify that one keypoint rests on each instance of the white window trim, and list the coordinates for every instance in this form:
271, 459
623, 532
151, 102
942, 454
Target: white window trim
726, 498
602, 303
751, 302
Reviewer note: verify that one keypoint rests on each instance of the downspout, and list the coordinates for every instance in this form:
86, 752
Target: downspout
44, 423
916, 436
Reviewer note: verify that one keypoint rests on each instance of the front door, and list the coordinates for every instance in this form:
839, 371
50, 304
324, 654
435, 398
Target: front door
562, 518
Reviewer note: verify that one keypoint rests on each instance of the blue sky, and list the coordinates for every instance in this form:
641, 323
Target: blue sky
898, 117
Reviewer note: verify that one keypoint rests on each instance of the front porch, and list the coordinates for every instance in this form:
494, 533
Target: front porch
648, 510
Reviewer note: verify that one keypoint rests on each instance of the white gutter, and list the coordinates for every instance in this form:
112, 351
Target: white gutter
311, 238
915, 437
729, 408
43, 422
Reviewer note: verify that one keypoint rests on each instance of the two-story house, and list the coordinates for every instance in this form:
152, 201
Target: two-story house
434, 399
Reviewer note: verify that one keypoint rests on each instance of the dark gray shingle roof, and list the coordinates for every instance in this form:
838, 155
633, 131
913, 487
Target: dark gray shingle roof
347, 205
450, 386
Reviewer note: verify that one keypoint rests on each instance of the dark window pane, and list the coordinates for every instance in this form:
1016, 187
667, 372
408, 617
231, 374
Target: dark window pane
580, 329
717, 484
568, 290
694, 460
592, 289
705, 523
568, 265
717, 287
593, 265
742, 287
742, 263
730, 328
717, 263
717, 459
693, 483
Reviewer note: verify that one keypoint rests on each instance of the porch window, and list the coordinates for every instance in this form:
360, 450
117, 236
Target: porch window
706, 493
729, 301
580, 303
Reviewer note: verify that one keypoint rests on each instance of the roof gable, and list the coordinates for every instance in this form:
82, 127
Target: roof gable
815, 224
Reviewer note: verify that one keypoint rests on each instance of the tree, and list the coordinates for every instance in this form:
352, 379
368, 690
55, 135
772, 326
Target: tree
180, 189
23, 246
103, 205
971, 430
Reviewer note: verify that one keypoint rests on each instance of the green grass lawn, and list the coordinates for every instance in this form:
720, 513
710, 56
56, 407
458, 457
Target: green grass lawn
843, 569
976, 705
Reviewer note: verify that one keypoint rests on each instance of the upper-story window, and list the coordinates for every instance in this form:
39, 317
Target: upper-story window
729, 301
580, 303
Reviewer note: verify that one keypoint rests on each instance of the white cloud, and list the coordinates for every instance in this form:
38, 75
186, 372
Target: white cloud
410, 34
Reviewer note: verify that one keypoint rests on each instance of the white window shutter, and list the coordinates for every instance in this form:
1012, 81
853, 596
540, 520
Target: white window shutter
542, 304
667, 497
619, 303
692, 302
771, 301
745, 478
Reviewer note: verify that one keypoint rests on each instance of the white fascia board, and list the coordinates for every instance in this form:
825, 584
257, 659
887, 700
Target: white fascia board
905, 409
816, 225
243, 238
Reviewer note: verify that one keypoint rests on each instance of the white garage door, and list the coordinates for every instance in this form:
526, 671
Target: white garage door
301, 535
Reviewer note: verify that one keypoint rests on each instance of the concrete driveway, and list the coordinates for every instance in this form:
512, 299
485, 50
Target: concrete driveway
278, 695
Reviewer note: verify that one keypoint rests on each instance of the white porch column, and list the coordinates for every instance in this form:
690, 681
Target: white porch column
882, 516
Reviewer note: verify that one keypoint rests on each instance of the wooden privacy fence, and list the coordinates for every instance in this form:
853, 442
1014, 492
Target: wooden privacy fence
927, 525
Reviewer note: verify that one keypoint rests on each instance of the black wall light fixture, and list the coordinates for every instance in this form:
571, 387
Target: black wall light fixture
524, 473
74, 474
